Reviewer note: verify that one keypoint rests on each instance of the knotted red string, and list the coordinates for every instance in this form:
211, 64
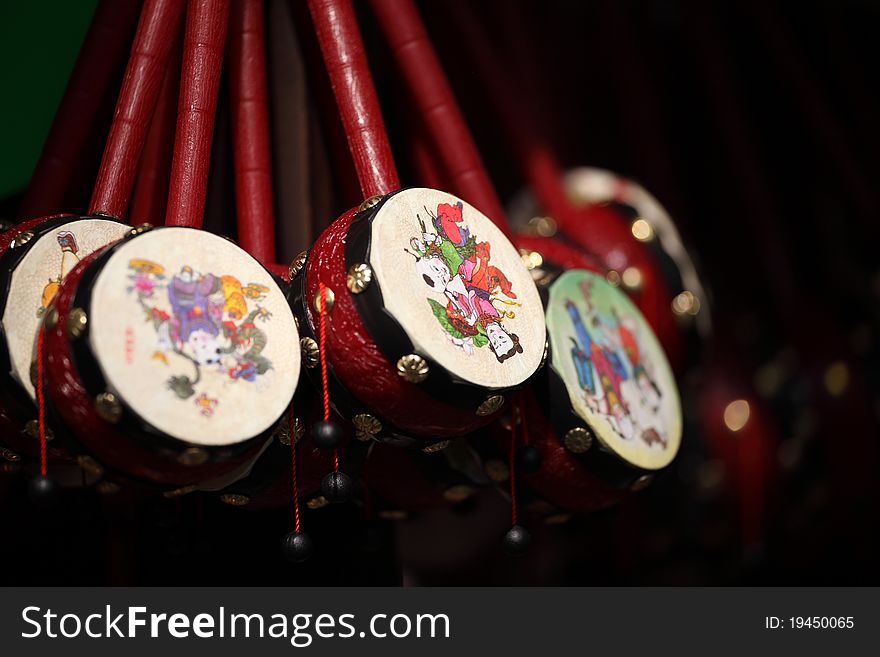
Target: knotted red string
322, 339
41, 404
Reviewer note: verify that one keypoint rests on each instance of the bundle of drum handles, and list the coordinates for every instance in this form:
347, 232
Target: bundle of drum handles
155, 169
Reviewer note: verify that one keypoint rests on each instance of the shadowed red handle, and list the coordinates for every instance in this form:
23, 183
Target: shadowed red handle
151, 186
432, 95
150, 54
346, 61
250, 130
101, 54
203, 44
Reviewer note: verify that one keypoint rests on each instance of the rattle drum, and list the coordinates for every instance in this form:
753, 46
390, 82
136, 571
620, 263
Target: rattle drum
35, 256
170, 356
431, 317
605, 412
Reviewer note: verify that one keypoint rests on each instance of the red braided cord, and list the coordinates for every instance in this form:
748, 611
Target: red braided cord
292, 423
41, 403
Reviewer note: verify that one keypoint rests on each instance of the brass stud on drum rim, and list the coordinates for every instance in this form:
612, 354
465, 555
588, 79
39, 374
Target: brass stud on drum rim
369, 203
108, 407
32, 428
318, 502
413, 368
178, 492
282, 433
90, 465
106, 215
490, 405
366, 426
437, 447
9, 455
393, 514
235, 499
192, 456
22, 238
458, 493
578, 440
107, 488
310, 353
641, 483
297, 264
50, 320
497, 470
329, 299
358, 277
76, 322
140, 228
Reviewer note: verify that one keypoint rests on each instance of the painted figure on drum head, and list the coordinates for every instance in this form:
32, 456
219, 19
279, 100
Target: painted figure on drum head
479, 296
211, 321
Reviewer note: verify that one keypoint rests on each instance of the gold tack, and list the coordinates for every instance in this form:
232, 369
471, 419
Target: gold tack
297, 264
235, 499
437, 447
358, 278
490, 405
369, 203
76, 322
412, 368
310, 352
578, 440
108, 407
192, 456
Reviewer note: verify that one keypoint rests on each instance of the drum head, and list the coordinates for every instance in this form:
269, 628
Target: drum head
614, 369
36, 278
195, 336
457, 287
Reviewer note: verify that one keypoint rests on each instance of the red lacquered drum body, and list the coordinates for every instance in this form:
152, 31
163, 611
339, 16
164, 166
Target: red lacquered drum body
34, 258
639, 241
170, 356
434, 318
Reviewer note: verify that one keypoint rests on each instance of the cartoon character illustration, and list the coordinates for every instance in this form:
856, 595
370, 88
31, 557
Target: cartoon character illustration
69, 258
628, 330
208, 322
478, 295
610, 368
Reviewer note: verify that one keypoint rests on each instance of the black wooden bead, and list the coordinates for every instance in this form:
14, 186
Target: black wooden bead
327, 434
528, 459
336, 487
516, 541
297, 547
42, 490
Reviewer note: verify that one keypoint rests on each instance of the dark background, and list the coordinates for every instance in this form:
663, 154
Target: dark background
755, 124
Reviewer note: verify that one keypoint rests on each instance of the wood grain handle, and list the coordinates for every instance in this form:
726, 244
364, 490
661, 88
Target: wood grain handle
431, 93
203, 45
345, 58
150, 54
250, 130
99, 59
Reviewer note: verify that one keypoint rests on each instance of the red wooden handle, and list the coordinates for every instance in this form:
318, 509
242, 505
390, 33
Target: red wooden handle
415, 56
150, 53
204, 39
346, 61
250, 130
151, 187
99, 58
